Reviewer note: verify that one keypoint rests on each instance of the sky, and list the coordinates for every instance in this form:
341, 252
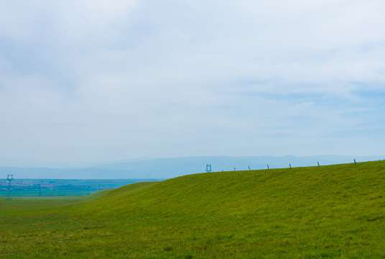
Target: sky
89, 81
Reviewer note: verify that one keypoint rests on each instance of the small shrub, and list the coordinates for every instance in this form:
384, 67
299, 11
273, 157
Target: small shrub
167, 249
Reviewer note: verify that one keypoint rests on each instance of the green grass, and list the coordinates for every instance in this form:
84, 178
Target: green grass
326, 212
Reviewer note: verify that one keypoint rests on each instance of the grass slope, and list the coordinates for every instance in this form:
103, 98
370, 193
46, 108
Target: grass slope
326, 212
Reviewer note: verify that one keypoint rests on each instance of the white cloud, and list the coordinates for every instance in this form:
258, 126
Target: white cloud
97, 80
71, 22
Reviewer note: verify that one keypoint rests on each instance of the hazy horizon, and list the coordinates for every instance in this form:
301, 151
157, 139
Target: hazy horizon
70, 165
164, 168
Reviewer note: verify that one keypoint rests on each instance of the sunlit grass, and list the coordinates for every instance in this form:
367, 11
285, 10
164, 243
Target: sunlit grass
325, 212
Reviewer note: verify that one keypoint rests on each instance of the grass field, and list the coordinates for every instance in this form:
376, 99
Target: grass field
321, 212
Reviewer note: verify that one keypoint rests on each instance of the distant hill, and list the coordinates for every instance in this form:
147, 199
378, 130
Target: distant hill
164, 168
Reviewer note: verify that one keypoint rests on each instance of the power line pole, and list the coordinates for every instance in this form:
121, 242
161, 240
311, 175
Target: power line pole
9, 180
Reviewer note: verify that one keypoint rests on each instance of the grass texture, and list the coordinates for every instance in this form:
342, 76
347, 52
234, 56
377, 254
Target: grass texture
320, 212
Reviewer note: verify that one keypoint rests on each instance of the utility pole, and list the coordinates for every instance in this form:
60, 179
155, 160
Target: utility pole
9, 180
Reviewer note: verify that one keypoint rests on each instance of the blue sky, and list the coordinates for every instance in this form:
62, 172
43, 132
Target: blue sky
98, 80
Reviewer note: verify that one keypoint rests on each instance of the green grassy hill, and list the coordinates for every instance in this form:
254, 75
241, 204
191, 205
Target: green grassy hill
322, 212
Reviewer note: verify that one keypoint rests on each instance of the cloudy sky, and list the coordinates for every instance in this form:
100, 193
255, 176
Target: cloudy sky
84, 81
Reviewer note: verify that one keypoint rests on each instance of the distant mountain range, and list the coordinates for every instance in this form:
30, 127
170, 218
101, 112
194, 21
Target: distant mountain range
163, 168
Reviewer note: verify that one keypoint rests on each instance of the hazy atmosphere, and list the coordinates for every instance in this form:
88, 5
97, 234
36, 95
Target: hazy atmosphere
90, 81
